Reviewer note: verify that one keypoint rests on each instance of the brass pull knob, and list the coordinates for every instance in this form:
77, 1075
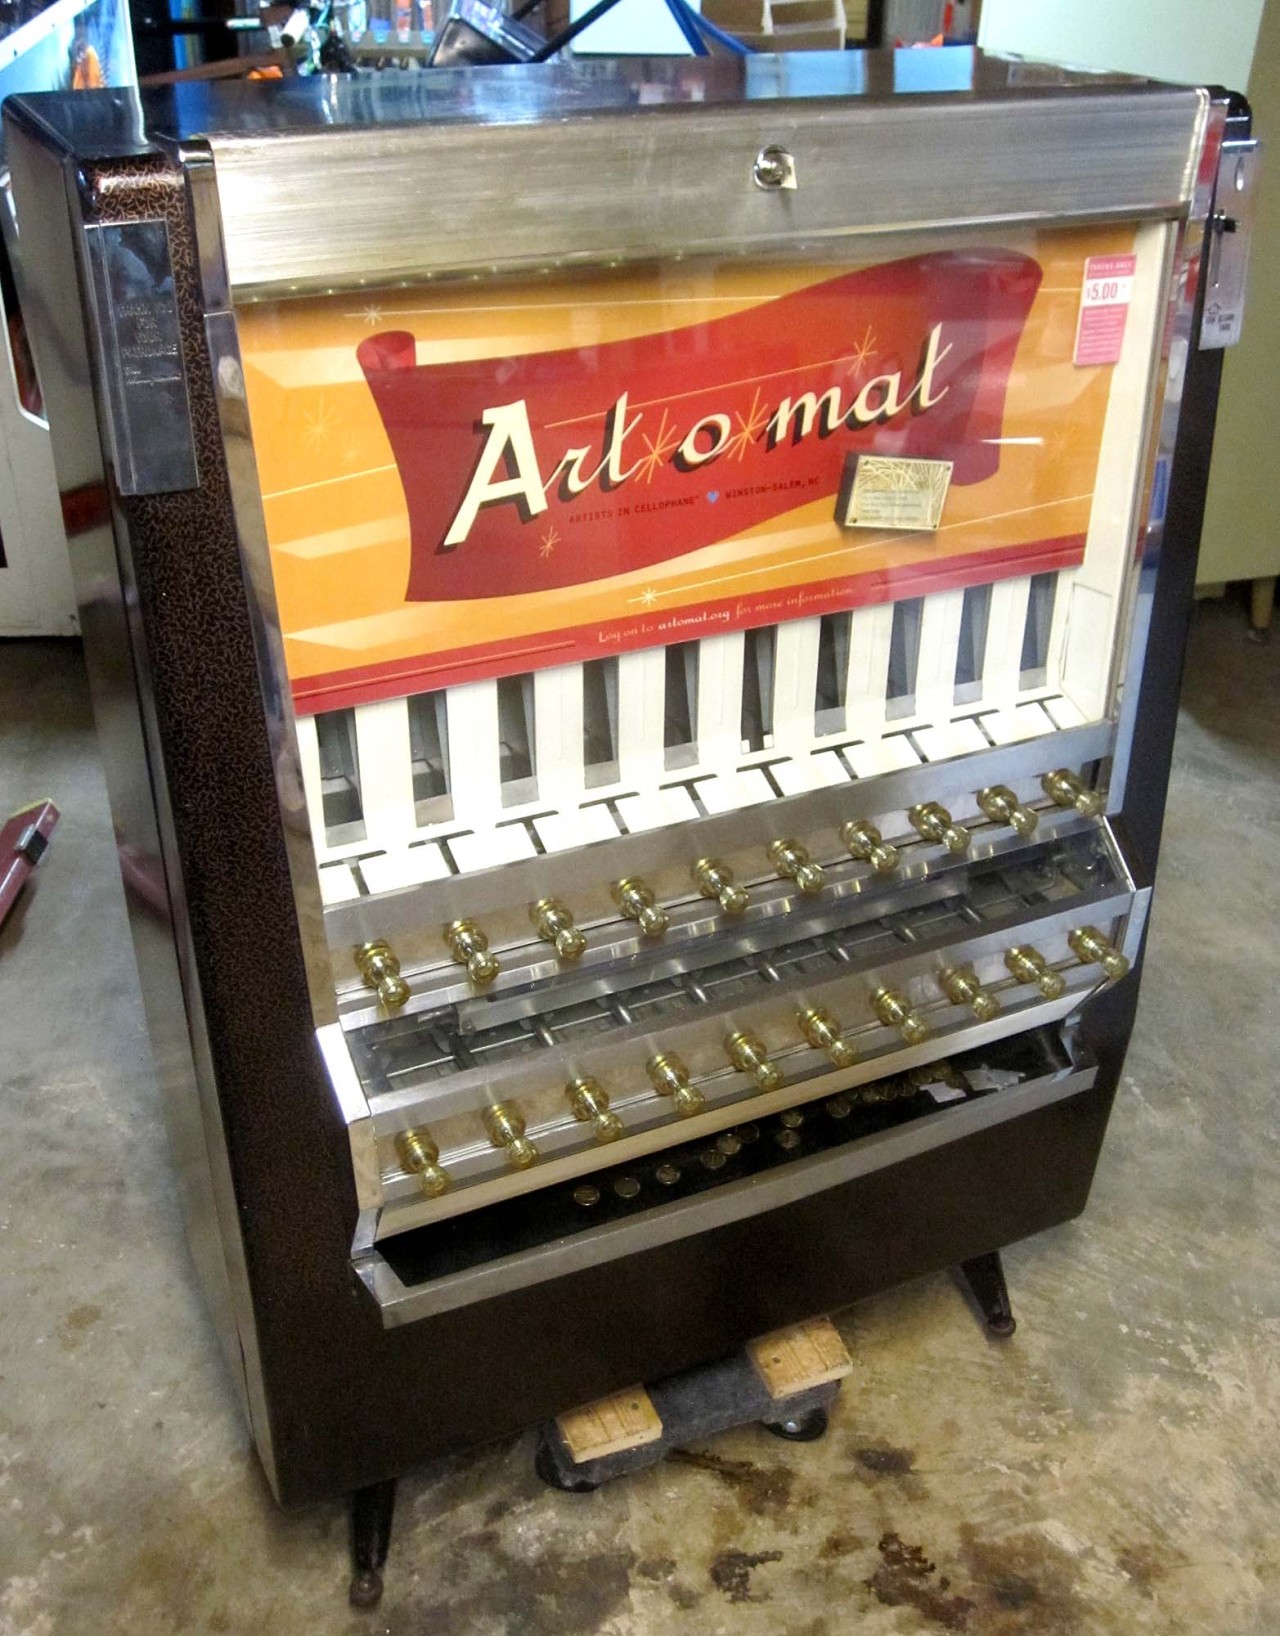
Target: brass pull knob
590, 1103
1090, 945
823, 1032
638, 903
791, 859
715, 880
749, 1055
554, 924
1064, 789
1002, 806
865, 841
961, 986
506, 1132
1028, 965
935, 824
896, 1011
381, 972
470, 948
669, 1077
421, 1158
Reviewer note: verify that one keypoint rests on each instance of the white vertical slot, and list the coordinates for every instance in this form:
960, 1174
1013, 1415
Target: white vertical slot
386, 772
795, 682
870, 638
557, 711
642, 681
1058, 628
720, 660
939, 645
309, 758
1006, 626
475, 769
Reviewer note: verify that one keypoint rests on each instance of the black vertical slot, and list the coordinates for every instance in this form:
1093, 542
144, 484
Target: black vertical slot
600, 721
1035, 635
833, 673
759, 652
975, 613
904, 658
680, 710
340, 776
429, 756
517, 768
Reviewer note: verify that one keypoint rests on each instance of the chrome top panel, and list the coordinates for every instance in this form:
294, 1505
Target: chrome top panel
640, 159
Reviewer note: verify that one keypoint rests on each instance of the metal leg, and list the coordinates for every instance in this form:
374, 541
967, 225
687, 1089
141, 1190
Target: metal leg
1262, 607
984, 1277
371, 1513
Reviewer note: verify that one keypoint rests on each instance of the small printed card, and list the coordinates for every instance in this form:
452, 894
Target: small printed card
883, 491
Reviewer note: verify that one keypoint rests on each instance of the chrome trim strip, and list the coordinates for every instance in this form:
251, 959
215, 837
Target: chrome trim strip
264, 617
585, 190
1187, 271
350, 1097
400, 1304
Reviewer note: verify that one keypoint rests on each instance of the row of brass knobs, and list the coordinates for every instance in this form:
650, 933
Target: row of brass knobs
748, 1054
636, 900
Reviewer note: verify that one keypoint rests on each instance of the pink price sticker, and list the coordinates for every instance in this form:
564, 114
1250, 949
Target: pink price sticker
1104, 306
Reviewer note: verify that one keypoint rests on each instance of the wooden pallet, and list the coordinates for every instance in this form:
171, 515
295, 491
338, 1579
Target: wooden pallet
788, 1361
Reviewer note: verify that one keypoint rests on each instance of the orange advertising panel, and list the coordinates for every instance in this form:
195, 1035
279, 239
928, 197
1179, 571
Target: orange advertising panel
469, 479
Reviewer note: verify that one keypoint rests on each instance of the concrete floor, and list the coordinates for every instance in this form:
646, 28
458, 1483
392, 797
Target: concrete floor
1113, 1469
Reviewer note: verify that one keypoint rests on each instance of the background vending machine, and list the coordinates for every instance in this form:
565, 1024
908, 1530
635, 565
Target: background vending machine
635, 614
71, 45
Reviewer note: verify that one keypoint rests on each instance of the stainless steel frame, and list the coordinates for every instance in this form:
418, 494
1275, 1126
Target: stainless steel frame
1023, 159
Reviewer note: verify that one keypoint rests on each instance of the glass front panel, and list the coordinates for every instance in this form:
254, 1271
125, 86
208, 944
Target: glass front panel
692, 536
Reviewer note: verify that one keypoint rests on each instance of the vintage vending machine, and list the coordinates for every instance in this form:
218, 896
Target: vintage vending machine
635, 611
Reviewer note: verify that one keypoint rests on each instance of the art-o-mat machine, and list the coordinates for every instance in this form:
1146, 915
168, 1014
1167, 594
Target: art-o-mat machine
635, 619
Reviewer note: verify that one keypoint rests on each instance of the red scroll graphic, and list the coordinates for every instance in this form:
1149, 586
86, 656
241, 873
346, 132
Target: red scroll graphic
665, 443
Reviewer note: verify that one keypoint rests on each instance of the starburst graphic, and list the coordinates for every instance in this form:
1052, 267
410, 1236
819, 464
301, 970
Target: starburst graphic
863, 352
648, 596
549, 542
749, 428
659, 447
318, 426
372, 315
1061, 444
